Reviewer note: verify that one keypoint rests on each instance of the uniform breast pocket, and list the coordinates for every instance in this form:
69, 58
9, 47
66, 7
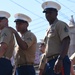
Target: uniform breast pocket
51, 34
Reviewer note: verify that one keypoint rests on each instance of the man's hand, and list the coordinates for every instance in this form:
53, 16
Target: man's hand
58, 66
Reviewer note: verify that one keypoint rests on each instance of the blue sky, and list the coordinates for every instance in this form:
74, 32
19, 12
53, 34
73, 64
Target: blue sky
33, 9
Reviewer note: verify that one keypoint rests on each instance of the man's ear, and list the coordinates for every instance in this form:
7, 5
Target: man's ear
6, 20
27, 24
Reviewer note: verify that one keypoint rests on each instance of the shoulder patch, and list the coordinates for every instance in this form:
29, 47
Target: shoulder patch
4, 34
29, 39
66, 29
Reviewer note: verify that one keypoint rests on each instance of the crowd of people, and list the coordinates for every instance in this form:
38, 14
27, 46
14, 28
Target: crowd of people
54, 47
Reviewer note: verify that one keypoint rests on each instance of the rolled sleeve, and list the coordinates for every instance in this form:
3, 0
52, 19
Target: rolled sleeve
63, 30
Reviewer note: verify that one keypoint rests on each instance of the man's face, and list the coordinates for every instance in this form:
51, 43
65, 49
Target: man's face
2, 23
50, 15
42, 47
21, 26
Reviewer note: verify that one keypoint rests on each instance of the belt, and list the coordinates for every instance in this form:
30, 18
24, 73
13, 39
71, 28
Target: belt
19, 65
52, 57
5, 57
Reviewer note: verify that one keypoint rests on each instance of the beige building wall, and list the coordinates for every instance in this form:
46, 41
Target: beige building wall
72, 36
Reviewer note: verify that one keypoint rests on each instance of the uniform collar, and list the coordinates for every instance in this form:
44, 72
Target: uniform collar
54, 22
